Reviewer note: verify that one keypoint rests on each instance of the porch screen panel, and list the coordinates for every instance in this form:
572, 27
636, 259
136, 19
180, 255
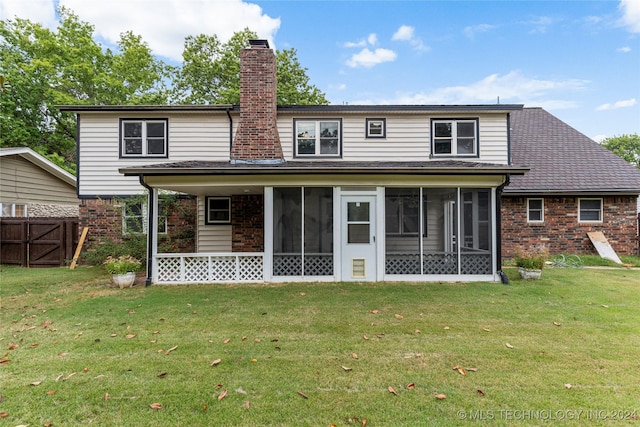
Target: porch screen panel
402, 230
439, 242
318, 231
287, 231
476, 231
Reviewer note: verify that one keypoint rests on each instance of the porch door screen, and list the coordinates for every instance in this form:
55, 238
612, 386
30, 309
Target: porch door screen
358, 238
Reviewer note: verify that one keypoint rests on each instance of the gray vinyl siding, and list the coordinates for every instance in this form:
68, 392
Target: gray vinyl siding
407, 137
191, 136
212, 238
24, 183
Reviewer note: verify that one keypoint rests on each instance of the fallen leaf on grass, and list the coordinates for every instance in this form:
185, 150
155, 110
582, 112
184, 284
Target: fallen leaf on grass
51, 392
303, 294
557, 323
46, 324
486, 329
365, 337
222, 395
364, 422
480, 392
4, 414
155, 406
113, 335
508, 345
161, 375
446, 328
375, 311
441, 396
605, 306
392, 391
216, 362
59, 377
13, 346
567, 386
36, 383
68, 376
247, 405
257, 340
129, 336
170, 350
254, 360
132, 312
347, 368
462, 371
227, 341
398, 316
204, 407
106, 396
85, 370
411, 386
155, 332
354, 355
303, 395
47, 424
4, 361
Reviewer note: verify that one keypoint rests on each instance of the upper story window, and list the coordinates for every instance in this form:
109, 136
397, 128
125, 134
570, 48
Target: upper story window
320, 137
535, 210
143, 138
454, 137
590, 210
376, 128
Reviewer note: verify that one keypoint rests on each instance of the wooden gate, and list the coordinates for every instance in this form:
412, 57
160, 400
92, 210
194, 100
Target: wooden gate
37, 242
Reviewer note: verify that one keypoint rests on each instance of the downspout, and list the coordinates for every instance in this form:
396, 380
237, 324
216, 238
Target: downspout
230, 132
503, 275
150, 228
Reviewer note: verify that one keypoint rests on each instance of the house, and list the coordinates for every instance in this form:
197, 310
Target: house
574, 186
317, 193
33, 186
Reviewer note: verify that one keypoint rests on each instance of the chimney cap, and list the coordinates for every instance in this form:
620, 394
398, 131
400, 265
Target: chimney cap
259, 43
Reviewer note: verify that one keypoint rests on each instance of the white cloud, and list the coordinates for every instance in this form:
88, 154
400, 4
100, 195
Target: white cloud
367, 58
371, 39
599, 138
618, 104
540, 24
513, 87
42, 11
162, 24
630, 14
472, 30
625, 49
406, 33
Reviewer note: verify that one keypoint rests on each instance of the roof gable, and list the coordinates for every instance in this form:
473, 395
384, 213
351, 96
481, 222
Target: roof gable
40, 161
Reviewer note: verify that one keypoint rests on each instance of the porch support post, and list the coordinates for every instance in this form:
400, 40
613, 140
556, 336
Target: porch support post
152, 230
267, 260
380, 234
499, 226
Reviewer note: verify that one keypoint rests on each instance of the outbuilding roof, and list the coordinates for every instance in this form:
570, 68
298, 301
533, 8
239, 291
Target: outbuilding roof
563, 160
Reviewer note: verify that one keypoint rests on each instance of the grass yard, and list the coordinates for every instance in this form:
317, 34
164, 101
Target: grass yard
564, 349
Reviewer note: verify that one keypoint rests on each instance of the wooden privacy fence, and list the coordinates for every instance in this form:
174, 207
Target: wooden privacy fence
38, 242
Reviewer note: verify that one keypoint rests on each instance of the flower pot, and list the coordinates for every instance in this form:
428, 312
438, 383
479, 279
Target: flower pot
124, 280
528, 274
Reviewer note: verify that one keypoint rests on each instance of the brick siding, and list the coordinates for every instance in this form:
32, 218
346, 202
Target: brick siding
561, 233
247, 223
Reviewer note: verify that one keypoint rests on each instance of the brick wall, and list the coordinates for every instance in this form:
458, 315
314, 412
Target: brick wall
104, 219
561, 232
247, 228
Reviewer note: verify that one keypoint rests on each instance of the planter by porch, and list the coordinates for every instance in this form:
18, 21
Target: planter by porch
124, 280
529, 274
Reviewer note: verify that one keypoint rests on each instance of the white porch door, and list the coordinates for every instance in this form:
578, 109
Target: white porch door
358, 238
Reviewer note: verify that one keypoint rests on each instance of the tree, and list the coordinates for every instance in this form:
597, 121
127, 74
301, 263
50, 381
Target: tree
42, 68
210, 73
625, 146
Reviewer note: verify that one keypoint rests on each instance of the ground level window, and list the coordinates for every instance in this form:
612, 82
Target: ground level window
535, 210
218, 210
590, 210
13, 210
134, 218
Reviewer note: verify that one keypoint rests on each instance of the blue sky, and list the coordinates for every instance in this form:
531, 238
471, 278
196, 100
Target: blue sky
580, 60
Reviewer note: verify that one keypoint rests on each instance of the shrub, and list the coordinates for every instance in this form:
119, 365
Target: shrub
121, 265
533, 258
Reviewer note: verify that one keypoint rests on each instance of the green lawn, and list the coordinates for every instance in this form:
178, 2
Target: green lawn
564, 349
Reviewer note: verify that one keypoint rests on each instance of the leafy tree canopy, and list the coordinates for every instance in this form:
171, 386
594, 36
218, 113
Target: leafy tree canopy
625, 146
41, 68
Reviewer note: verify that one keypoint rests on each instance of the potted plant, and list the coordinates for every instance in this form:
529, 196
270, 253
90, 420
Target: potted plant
123, 269
531, 261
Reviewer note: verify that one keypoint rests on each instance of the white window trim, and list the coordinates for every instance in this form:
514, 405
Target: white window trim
383, 128
207, 219
144, 153
454, 137
317, 137
590, 220
145, 224
535, 221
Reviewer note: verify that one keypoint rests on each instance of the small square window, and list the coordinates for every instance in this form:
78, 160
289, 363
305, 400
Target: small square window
590, 210
218, 210
535, 210
376, 128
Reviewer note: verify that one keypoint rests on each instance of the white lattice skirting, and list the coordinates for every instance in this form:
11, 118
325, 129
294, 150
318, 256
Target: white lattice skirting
209, 268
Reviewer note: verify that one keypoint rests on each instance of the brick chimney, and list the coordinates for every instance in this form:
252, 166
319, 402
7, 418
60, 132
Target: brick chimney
257, 139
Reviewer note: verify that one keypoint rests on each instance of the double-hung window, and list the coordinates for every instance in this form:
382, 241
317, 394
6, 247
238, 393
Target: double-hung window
535, 210
143, 138
590, 210
319, 138
218, 210
454, 137
134, 218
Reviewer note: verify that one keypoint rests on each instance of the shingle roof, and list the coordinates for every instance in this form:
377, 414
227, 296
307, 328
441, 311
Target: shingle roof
563, 160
